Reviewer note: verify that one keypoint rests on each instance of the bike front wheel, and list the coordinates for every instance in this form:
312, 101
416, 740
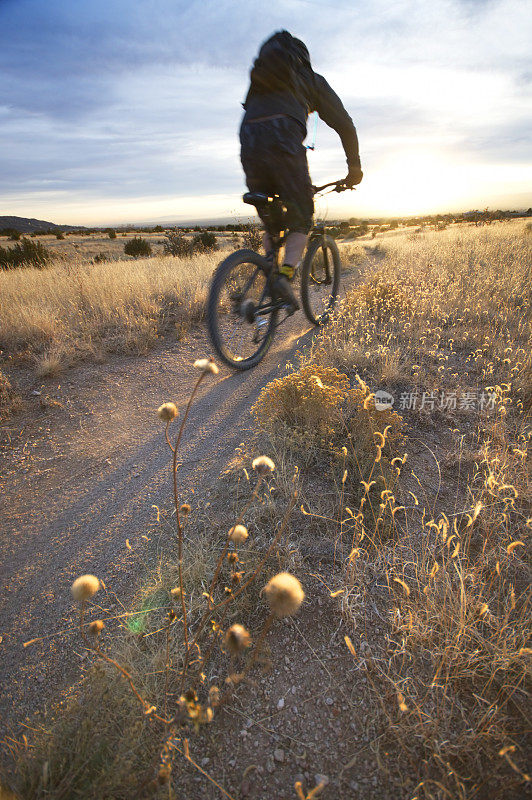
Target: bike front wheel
320, 279
241, 316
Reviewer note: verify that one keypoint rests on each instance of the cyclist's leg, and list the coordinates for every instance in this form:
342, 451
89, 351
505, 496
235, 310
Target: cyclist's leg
292, 179
275, 161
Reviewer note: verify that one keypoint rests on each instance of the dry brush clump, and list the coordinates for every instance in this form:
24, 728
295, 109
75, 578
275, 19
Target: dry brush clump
451, 672
315, 415
10, 400
159, 681
52, 318
450, 308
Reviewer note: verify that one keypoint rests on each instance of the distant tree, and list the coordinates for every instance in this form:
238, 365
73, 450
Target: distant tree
111, 233
137, 247
158, 229
14, 236
60, 235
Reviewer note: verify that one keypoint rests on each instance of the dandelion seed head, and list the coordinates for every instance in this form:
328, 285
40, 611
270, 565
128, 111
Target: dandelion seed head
263, 465
236, 639
284, 594
214, 696
85, 587
164, 775
167, 412
207, 365
96, 627
238, 534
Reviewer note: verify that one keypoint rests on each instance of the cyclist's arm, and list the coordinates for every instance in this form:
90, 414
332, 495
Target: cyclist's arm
332, 112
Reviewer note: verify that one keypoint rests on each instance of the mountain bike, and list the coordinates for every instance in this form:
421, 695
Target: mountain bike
242, 309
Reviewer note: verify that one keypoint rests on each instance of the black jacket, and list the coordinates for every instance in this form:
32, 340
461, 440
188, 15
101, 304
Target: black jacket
305, 92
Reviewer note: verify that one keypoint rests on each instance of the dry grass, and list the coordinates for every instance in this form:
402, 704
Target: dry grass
430, 307
57, 316
10, 400
435, 594
449, 592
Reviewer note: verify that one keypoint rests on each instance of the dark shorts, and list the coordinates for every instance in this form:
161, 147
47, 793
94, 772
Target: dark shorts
275, 162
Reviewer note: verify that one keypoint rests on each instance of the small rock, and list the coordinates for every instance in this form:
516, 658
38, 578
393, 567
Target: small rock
319, 778
329, 701
294, 709
232, 762
35, 393
205, 761
278, 755
293, 690
280, 703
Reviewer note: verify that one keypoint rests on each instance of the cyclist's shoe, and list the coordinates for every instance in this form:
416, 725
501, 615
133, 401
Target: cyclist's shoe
283, 290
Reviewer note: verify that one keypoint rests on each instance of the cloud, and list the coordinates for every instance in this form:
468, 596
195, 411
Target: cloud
141, 98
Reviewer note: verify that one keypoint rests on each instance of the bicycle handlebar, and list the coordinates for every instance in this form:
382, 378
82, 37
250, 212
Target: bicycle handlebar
339, 186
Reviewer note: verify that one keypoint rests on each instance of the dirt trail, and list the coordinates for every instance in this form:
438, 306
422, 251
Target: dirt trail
81, 477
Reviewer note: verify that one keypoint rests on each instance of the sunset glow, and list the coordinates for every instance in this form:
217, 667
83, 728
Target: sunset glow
131, 126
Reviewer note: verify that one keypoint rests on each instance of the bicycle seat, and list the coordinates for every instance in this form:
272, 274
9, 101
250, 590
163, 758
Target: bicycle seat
260, 199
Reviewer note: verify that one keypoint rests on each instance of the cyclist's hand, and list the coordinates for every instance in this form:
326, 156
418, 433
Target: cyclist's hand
354, 176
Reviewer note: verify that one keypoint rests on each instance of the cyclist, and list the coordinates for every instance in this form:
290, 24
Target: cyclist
283, 91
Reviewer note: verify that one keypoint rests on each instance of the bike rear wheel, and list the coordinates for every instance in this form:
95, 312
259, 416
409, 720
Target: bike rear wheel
240, 331
320, 279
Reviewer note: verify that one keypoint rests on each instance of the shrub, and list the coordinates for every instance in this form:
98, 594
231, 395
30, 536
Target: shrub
60, 235
25, 254
137, 247
14, 236
99, 258
204, 242
111, 233
252, 238
177, 245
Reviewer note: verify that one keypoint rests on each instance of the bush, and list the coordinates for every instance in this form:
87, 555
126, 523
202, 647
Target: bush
137, 247
111, 233
25, 254
60, 235
252, 238
204, 242
177, 245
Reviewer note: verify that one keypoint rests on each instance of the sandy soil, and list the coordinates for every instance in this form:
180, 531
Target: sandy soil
80, 472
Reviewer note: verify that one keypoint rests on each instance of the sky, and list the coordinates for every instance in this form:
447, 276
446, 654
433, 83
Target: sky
117, 111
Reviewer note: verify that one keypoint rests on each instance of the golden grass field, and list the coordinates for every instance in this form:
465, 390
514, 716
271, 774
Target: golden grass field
428, 508
55, 317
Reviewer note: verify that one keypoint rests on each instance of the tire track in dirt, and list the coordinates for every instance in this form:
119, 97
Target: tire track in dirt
76, 517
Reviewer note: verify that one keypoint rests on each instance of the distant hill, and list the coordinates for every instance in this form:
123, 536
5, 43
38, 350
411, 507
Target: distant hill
27, 225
